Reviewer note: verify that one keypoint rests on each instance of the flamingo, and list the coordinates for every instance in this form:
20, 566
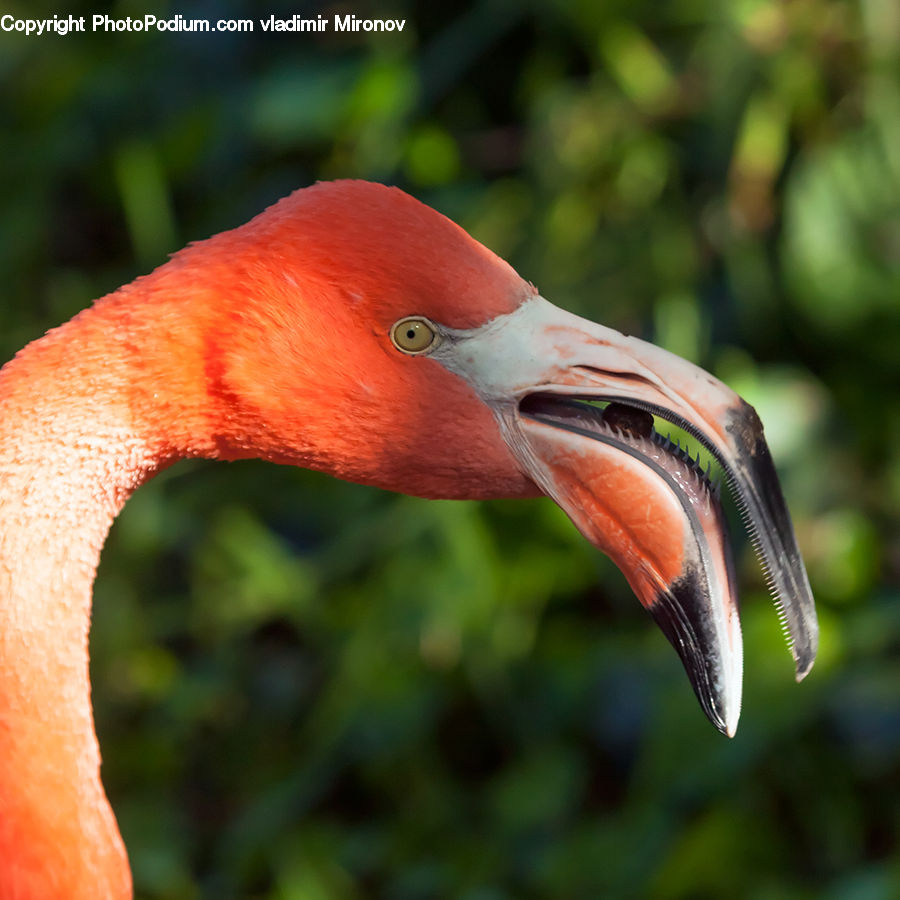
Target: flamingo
350, 329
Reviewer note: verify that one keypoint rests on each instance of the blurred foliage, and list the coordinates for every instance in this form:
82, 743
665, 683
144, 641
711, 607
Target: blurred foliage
306, 689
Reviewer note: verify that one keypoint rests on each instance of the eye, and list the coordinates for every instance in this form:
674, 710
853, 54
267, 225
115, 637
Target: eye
414, 335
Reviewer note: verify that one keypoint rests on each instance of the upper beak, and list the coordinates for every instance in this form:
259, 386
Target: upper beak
634, 494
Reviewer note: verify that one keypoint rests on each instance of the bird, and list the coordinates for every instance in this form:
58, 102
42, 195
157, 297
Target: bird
351, 329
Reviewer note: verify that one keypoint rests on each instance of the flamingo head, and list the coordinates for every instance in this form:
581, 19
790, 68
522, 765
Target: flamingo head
367, 335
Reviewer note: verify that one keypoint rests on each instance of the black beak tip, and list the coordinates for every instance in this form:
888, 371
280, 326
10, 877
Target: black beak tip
685, 614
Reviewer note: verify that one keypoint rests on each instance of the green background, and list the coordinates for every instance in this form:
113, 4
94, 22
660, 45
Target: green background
308, 689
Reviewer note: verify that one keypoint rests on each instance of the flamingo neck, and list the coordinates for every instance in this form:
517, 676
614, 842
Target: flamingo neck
76, 438
88, 413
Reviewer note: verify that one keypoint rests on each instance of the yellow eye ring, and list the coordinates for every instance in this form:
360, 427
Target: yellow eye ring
414, 335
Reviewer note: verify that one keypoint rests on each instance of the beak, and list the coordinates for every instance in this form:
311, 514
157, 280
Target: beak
576, 403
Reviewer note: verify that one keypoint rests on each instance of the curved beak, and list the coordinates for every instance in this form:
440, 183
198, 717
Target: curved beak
576, 404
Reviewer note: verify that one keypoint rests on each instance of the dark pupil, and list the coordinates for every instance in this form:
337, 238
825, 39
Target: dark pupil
410, 333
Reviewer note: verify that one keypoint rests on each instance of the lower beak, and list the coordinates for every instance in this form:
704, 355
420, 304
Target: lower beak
657, 516
576, 402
